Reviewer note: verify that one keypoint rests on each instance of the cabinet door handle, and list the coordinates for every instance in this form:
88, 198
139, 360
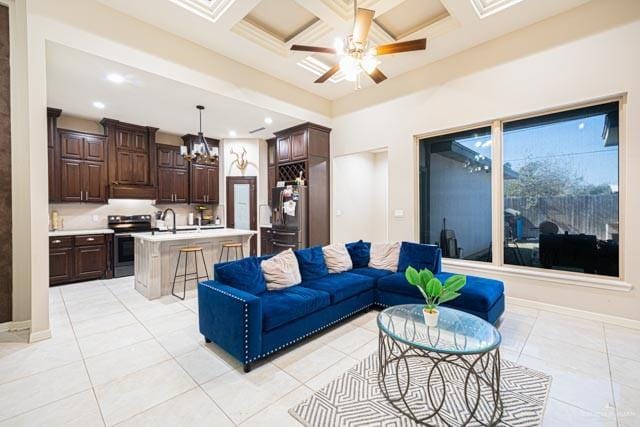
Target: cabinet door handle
56, 242
90, 239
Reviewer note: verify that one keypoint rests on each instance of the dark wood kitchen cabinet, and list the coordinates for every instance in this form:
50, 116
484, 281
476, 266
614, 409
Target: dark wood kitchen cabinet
60, 260
53, 153
173, 176
78, 258
271, 166
204, 185
131, 159
82, 168
266, 241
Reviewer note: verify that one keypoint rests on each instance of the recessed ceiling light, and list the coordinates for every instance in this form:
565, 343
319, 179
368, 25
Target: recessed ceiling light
115, 78
232, 133
99, 105
268, 120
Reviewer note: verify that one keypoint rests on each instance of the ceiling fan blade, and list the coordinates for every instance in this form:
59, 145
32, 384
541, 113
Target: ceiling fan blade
411, 45
318, 49
362, 25
326, 76
377, 76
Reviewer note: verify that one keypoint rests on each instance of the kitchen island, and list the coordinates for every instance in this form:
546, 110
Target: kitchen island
156, 255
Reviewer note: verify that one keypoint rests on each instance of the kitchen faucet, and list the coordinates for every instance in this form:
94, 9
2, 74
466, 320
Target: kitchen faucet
164, 214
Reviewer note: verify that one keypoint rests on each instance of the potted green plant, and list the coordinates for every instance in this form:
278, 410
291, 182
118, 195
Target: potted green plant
433, 291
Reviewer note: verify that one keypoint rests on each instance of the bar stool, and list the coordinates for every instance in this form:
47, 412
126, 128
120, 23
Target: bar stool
186, 251
228, 247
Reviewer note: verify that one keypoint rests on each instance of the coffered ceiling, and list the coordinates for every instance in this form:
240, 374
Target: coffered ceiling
259, 33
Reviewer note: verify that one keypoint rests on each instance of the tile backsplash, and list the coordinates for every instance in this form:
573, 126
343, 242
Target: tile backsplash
79, 216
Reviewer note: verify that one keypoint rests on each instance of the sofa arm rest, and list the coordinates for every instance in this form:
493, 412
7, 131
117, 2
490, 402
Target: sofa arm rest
231, 318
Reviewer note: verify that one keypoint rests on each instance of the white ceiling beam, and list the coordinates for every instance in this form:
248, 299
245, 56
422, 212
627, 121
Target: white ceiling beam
238, 10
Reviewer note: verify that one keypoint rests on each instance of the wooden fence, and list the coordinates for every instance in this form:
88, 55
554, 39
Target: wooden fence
575, 214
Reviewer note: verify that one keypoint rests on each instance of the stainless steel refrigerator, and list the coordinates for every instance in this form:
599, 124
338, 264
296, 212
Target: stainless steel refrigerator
289, 218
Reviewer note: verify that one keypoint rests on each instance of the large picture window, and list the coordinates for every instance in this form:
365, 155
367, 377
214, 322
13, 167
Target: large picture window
561, 205
455, 193
559, 182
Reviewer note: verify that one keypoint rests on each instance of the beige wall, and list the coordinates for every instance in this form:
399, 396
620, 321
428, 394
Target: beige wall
585, 54
256, 156
359, 198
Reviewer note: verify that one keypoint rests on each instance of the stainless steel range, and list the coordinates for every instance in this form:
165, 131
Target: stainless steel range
123, 244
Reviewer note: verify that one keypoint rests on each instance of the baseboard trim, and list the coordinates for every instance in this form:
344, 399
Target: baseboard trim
15, 326
583, 314
39, 336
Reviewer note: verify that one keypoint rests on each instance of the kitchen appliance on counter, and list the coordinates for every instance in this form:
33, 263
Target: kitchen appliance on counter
289, 218
123, 244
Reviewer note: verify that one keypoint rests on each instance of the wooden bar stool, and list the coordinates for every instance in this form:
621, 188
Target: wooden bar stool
228, 247
186, 251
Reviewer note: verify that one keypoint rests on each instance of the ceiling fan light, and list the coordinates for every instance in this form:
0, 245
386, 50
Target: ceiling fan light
369, 63
338, 45
349, 66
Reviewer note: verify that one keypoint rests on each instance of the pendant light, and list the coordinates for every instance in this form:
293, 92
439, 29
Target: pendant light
200, 149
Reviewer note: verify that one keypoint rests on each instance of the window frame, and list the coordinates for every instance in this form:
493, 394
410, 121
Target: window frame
497, 265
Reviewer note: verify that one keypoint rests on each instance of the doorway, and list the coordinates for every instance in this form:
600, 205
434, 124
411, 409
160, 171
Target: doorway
242, 206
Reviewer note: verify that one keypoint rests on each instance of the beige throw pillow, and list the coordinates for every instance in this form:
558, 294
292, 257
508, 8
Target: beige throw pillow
385, 256
337, 258
281, 271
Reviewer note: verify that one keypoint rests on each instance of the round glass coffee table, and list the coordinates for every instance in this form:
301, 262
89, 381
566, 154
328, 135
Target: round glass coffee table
444, 375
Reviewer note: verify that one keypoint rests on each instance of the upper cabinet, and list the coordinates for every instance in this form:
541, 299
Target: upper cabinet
299, 143
205, 177
132, 160
82, 167
173, 175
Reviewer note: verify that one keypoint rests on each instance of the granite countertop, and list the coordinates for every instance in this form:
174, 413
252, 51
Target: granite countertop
60, 233
192, 235
203, 227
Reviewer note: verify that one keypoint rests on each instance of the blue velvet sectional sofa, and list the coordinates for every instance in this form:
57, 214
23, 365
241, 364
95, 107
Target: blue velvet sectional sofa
239, 314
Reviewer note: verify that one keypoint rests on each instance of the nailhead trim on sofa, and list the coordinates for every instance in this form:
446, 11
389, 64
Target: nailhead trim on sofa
310, 333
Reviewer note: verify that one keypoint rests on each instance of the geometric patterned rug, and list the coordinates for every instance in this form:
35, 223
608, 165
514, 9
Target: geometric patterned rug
354, 399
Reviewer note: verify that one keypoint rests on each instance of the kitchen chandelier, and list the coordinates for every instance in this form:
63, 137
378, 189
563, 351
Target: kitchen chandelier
200, 149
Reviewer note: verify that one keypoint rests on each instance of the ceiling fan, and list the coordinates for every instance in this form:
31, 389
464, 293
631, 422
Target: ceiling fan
355, 53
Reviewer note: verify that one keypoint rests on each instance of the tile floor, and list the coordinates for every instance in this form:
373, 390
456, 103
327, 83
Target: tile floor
116, 358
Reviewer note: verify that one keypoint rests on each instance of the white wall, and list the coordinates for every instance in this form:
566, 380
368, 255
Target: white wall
359, 197
380, 197
585, 54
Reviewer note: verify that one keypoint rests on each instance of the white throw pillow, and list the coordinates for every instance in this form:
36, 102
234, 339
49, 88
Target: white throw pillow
281, 271
385, 256
337, 258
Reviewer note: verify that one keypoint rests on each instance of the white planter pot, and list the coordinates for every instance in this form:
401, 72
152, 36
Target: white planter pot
430, 318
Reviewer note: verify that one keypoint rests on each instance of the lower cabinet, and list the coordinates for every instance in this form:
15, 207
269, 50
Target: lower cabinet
78, 258
266, 241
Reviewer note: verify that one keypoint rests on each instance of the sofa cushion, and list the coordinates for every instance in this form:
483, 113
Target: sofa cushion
419, 256
341, 285
337, 258
311, 263
385, 256
479, 294
283, 306
359, 253
244, 274
281, 271
376, 273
